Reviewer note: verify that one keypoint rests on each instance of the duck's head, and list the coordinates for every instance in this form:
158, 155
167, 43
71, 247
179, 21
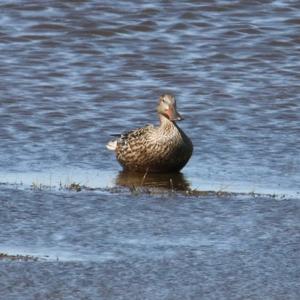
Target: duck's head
167, 107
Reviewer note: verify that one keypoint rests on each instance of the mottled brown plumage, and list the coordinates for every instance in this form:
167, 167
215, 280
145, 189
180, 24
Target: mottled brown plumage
161, 149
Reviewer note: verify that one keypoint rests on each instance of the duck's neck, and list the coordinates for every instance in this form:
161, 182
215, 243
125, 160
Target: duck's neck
166, 124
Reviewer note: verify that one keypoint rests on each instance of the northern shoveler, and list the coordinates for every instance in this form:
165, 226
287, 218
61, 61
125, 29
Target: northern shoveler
155, 149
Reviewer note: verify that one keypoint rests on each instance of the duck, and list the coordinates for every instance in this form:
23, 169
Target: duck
155, 149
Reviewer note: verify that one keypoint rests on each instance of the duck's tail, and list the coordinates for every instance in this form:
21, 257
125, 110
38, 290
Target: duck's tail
112, 145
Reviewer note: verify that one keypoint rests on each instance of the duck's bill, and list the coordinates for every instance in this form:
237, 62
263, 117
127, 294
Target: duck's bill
174, 115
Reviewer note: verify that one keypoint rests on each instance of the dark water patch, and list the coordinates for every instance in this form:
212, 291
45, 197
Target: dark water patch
280, 43
103, 32
293, 21
145, 26
250, 31
48, 27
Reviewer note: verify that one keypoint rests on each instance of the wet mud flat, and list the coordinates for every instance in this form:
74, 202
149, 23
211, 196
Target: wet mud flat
119, 244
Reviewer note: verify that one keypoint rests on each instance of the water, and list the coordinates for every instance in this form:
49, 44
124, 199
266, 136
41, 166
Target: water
74, 72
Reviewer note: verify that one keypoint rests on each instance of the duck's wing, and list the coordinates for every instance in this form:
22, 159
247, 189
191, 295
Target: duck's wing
128, 136
136, 134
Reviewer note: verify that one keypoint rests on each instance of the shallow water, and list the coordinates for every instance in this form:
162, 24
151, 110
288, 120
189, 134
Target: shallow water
124, 246
72, 73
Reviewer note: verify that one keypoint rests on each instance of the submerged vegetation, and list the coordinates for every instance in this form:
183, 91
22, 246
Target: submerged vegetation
168, 186
76, 187
17, 257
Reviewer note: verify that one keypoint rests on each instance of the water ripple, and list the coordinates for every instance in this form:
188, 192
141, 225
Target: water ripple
72, 74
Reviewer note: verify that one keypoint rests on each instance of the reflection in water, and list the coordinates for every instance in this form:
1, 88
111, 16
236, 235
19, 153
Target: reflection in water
173, 181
